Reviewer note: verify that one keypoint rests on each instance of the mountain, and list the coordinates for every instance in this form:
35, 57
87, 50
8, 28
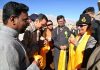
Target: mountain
69, 23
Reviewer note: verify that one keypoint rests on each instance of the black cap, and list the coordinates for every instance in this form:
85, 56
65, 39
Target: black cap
84, 19
33, 17
89, 9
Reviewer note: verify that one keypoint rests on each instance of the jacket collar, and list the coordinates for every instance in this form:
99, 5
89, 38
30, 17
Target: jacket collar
9, 31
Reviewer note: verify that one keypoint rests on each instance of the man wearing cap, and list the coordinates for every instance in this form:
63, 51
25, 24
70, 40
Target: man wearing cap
81, 46
31, 39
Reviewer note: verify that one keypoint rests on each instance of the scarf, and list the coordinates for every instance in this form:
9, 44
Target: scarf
76, 56
62, 60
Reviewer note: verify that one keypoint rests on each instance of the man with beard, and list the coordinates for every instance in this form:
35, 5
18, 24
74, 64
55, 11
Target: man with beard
60, 39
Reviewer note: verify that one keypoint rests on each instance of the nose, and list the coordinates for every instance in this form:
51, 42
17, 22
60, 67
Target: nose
28, 22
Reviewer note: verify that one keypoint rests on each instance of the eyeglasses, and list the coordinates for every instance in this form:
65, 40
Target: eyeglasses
81, 25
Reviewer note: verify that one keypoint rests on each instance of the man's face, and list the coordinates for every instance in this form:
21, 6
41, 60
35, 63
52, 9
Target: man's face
22, 22
61, 22
42, 23
92, 15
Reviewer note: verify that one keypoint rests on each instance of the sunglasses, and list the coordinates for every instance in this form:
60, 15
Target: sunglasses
81, 25
49, 24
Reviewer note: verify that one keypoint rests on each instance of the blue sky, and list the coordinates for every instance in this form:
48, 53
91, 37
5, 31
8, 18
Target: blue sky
71, 9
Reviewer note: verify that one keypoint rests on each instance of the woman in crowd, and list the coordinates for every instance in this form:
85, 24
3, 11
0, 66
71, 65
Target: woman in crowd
46, 51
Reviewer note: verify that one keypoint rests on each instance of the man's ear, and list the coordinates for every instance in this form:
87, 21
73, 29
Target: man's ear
13, 20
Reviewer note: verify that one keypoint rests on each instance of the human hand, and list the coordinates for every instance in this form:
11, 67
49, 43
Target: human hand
65, 47
62, 47
38, 60
45, 42
72, 39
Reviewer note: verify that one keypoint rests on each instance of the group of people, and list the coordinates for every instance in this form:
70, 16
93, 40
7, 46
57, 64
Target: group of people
44, 47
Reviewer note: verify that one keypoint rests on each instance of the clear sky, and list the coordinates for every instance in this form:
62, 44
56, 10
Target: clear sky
71, 9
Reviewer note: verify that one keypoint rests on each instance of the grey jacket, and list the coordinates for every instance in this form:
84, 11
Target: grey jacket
12, 54
94, 60
59, 36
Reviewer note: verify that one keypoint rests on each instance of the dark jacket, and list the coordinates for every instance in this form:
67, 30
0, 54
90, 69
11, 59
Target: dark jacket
32, 45
96, 30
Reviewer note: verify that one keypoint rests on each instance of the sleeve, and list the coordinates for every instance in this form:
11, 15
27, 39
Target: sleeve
91, 42
94, 62
54, 38
9, 58
96, 66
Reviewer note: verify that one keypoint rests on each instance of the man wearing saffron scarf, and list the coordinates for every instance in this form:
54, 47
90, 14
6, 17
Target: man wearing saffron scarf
81, 46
